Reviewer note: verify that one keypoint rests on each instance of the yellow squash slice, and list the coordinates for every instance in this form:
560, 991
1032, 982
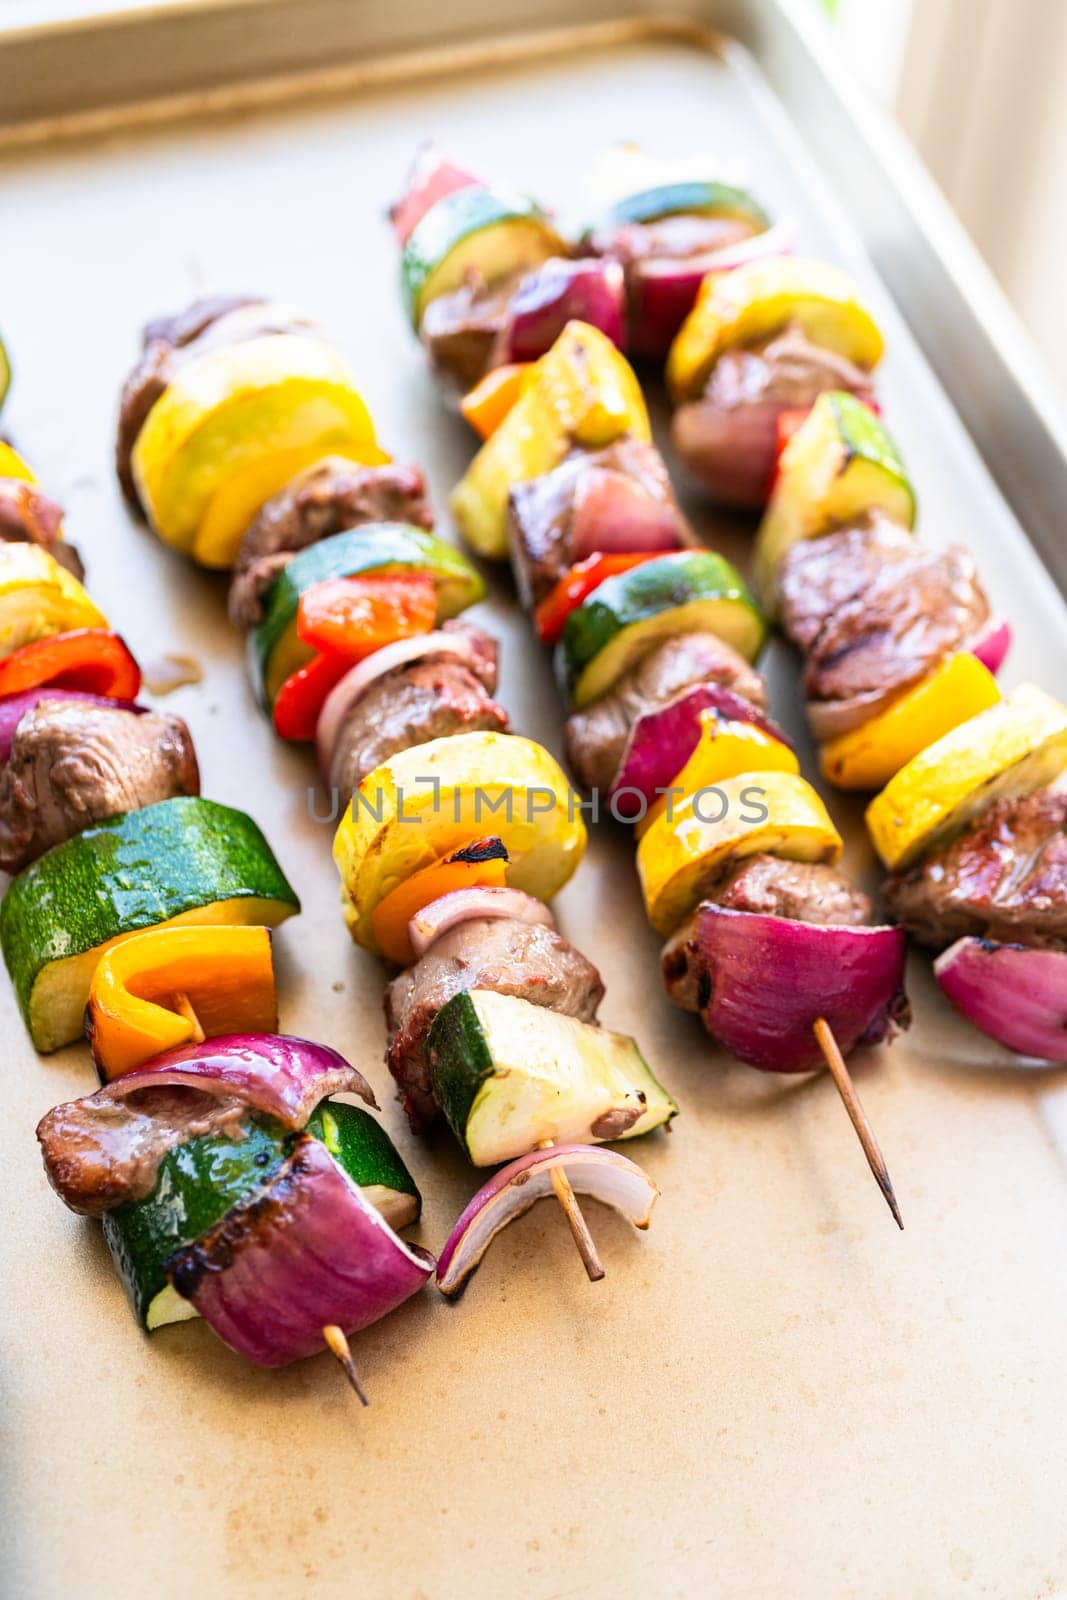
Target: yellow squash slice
429, 801
726, 749
38, 598
235, 425
582, 392
1015, 747
776, 813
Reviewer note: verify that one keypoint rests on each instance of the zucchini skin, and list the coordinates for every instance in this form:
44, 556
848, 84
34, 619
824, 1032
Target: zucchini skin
105, 881
460, 1061
200, 1182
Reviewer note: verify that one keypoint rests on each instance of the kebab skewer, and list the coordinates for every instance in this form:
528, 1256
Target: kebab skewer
654, 644
354, 641
228, 1182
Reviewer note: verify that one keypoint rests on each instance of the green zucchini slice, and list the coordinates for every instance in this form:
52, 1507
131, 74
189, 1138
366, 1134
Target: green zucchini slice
473, 229
180, 861
689, 591
199, 1182
689, 195
274, 650
840, 464
508, 1074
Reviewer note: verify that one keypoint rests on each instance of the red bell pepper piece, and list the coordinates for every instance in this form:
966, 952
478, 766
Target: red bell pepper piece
300, 698
92, 659
351, 617
552, 612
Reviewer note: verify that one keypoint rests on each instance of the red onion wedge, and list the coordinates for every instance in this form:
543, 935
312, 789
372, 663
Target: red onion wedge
1018, 996
284, 1077
400, 653
305, 1251
760, 982
663, 291
470, 905
13, 707
661, 742
555, 293
612, 514
590, 1169
993, 644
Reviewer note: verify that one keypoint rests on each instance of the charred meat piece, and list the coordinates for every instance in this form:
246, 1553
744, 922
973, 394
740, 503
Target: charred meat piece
168, 341
100, 1153
728, 438
461, 330
819, 576
596, 737
327, 498
29, 517
617, 498
72, 764
431, 698
516, 958
674, 238
800, 891
912, 614
1005, 878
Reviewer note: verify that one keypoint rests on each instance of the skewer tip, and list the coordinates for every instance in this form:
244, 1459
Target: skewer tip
338, 1346
857, 1115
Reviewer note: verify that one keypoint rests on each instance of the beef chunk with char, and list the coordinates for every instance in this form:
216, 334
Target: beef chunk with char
527, 960
73, 763
1005, 878
596, 737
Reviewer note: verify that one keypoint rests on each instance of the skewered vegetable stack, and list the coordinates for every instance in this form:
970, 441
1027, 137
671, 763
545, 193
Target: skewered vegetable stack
654, 643
458, 833
228, 1183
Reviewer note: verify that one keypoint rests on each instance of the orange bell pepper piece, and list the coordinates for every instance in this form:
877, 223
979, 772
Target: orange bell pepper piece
173, 986
488, 403
481, 864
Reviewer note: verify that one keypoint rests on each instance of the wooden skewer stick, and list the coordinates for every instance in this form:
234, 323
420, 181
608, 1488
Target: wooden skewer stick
858, 1117
184, 1007
338, 1346
575, 1220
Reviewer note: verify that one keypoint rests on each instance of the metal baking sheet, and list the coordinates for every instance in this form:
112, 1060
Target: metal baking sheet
772, 1392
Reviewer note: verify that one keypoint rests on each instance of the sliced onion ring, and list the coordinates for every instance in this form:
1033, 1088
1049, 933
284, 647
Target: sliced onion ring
305, 1250
592, 1170
400, 653
1018, 996
661, 741
993, 644
764, 980
280, 1075
469, 905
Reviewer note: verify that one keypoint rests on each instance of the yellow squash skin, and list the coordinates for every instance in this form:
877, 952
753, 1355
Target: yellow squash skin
754, 301
681, 853
13, 466
1017, 746
725, 750
38, 598
582, 392
868, 756
235, 425
429, 801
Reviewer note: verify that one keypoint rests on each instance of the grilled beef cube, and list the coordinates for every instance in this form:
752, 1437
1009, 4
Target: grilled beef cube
800, 891
73, 763
914, 613
596, 737
585, 505
461, 330
728, 438
819, 576
168, 341
516, 958
430, 698
673, 238
1005, 878
329, 497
